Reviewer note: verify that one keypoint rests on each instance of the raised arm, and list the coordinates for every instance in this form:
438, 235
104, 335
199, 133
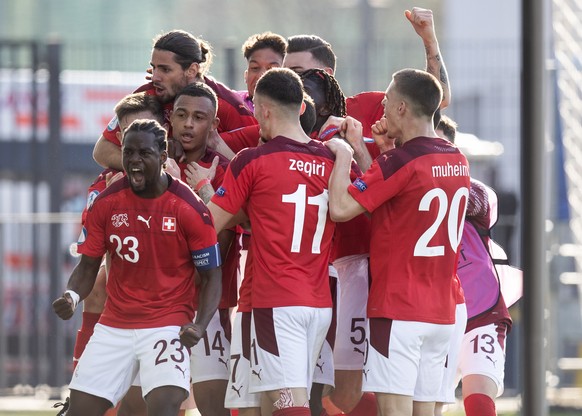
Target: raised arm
423, 23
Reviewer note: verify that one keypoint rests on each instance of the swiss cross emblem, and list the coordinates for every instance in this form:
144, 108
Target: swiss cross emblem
169, 224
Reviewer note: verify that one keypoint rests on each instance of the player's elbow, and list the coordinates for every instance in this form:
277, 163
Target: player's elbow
337, 214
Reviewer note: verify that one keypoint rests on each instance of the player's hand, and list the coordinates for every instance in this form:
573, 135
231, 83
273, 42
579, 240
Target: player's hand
190, 334
172, 168
380, 135
195, 173
176, 151
339, 147
352, 130
149, 74
422, 22
63, 307
332, 121
110, 178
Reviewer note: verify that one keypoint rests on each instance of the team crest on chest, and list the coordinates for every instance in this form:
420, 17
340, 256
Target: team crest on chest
169, 224
119, 219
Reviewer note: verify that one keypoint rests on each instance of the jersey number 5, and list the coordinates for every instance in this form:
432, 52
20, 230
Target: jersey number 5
454, 223
301, 200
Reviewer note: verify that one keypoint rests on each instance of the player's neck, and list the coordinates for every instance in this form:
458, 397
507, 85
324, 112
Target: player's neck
418, 128
291, 130
194, 155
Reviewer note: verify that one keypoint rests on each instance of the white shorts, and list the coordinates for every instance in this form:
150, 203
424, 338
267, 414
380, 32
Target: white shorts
483, 353
406, 357
352, 295
450, 380
210, 356
113, 357
324, 372
285, 345
237, 391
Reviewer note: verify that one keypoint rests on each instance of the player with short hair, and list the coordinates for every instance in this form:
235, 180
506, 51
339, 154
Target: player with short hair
310, 51
262, 52
417, 195
282, 186
158, 234
193, 121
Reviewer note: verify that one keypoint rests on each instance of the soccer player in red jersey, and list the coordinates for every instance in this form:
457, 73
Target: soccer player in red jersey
309, 51
351, 247
178, 59
283, 187
130, 108
193, 120
158, 234
417, 195
262, 52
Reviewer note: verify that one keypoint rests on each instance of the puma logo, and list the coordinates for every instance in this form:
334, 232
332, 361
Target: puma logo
182, 371
365, 372
490, 359
356, 349
253, 372
223, 362
320, 366
237, 390
142, 219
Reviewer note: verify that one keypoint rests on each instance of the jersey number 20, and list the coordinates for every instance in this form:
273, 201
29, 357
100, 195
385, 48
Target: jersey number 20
454, 223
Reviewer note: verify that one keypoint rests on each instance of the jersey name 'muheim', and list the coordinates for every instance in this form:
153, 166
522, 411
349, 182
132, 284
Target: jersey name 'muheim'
310, 168
443, 171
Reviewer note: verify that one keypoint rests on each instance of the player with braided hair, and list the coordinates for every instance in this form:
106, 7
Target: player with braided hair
326, 93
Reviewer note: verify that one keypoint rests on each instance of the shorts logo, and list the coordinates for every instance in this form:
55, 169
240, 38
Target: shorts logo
220, 191
112, 124
237, 390
181, 371
360, 184
169, 224
119, 219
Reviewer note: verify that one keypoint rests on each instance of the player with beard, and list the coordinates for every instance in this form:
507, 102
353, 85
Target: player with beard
178, 59
158, 234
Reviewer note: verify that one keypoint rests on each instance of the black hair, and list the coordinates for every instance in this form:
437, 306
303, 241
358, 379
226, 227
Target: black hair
319, 48
334, 96
199, 89
265, 40
150, 126
281, 85
187, 48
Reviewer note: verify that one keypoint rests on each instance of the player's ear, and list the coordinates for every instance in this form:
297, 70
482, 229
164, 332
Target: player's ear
118, 135
215, 123
245, 75
328, 70
193, 70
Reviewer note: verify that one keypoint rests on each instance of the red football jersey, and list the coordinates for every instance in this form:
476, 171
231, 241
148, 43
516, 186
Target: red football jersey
232, 112
151, 242
367, 108
286, 185
110, 133
230, 263
417, 195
